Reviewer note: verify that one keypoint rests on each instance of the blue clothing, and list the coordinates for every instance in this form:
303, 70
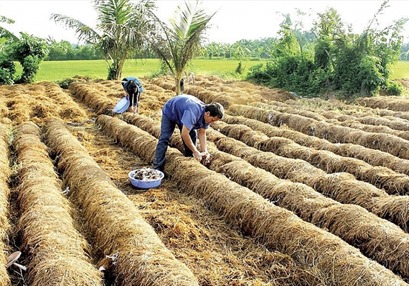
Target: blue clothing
180, 110
126, 80
134, 98
186, 110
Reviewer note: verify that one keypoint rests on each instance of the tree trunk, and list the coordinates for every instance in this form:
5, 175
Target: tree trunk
179, 85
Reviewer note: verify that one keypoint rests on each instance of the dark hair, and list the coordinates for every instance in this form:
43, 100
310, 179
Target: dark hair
215, 109
132, 87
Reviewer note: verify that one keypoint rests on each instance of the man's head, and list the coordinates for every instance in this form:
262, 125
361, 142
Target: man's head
132, 88
213, 112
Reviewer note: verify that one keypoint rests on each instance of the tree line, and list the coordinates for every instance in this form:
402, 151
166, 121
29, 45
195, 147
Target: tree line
242, 49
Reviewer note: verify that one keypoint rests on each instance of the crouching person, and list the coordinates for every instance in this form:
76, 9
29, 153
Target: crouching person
192, 117
133, 89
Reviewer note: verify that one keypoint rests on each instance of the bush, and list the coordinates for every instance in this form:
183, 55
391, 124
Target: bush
394, 88
29, 51
7, 72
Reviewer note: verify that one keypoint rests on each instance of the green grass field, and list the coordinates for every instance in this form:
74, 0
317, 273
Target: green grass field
400, 70
59, 70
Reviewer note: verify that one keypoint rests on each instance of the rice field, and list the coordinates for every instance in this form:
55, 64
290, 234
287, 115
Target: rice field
297, 191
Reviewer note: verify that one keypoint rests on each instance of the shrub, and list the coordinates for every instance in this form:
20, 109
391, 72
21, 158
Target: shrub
394, 88
7, 72
29, 51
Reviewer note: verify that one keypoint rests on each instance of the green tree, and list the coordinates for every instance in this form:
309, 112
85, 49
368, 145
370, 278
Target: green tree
363, 65
26, 49
29, 51
287, 43
122, 27
330, 38
60, 51
7, 67
5, 33
178, 44
404, 52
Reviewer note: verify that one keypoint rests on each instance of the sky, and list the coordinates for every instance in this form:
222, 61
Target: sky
234, 19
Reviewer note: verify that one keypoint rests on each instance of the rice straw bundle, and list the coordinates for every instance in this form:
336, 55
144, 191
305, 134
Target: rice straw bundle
371, 156
4, 204
113, 219
58, 253
249, 174
381, 177
278, 228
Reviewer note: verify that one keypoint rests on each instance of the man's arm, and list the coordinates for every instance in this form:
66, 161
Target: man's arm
201, 134
188, 141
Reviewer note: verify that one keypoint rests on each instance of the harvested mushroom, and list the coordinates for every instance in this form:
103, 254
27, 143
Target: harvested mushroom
146, 174
11, 260
108, 262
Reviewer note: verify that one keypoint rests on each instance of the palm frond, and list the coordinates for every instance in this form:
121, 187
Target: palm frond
176, 45
4, 19
83, 32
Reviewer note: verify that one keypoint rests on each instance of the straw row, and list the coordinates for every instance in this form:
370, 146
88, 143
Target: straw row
112, 218
279, 229
376, 128
332, 132
89, 95
4, 205
377, 238
342, 187
374, 124
217, 90
396, 103
371, 156
39, 102
381, 177
58, 253
332, 107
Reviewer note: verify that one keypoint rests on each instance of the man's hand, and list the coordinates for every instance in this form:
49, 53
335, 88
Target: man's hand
205, 158
197, 155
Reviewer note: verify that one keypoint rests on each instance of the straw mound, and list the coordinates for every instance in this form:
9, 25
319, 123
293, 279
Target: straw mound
239, 209
46, 223
4, 204
75, 209
116, 225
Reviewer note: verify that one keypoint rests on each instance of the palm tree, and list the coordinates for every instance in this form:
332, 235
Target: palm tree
176, 46
121, 25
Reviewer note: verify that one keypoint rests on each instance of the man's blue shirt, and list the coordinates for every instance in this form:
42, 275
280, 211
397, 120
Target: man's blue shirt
186, 110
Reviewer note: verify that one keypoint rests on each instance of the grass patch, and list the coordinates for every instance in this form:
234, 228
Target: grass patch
400, 70
60, 70
224, 68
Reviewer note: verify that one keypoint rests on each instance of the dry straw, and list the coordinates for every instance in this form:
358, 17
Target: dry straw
332, 132
280, 229
374, 124
378, 240
90, 96
395, 103
342, 187
4, 205
371, 156
114, 221
381, 177
340, 110
32, 103
57, 252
